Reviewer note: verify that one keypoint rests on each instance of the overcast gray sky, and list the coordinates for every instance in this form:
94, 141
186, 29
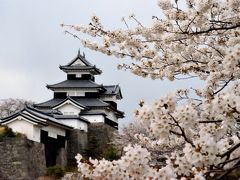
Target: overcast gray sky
33, 45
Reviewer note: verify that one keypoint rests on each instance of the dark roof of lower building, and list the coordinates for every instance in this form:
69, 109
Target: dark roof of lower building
69, 117
36, 116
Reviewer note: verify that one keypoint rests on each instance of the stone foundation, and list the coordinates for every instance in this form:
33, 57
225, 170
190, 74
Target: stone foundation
77, 142
99, 136
92, 144
21, 159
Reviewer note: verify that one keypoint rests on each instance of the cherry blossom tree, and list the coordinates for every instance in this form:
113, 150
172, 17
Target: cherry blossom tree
136, 133
11, 106
200, 39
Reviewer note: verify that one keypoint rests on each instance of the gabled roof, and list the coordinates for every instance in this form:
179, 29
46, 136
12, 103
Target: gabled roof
113, 90
25, 116
35, 116
91, 103
81, 58
72, 101
76, 84
79, 63
87, 102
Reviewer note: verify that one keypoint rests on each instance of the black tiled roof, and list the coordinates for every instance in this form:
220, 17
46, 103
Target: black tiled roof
88, 102
68, 117
73, 101
86, 67
50, 103
36, 116
81, 58
92, 102
75, 84
112, 90
80, 68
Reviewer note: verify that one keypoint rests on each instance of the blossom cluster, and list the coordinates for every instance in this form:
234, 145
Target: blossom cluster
133, 165
200, 39
190, 40
208, 133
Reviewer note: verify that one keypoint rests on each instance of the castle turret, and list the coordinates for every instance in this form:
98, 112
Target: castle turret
79, 95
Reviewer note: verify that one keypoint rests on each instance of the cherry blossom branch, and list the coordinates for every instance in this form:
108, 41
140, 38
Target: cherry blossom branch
213, 29
225, 85
182, 131
228, 171
227, 153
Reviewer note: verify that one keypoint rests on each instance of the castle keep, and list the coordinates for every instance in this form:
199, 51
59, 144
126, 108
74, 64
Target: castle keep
81, 114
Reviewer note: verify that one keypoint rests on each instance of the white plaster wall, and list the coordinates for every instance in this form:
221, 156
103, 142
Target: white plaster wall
76, 72
54, 131
78, 63
109, 98
25, 127
69, 109
94, 118
32, 131
77, 124
112, 116
37, 133
78, 92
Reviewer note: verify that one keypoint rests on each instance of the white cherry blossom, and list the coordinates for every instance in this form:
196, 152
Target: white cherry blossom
201, 40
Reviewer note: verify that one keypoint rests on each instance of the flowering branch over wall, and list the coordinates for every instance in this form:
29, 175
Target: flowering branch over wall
201, 40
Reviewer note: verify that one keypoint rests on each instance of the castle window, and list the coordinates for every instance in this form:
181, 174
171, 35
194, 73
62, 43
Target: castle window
68, 113
76, 93
78, 75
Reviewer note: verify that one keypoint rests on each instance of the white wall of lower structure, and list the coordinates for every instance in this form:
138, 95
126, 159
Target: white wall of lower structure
75, 123
37, 133
32, 130
54, 131
23, 126
94, 118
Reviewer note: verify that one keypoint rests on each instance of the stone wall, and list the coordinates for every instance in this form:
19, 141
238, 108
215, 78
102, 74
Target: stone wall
77, 142
21, 159
92, 144
99, 136
62, 158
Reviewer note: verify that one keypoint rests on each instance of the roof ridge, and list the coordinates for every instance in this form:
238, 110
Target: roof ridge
38, 111
80, 57
71, 99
